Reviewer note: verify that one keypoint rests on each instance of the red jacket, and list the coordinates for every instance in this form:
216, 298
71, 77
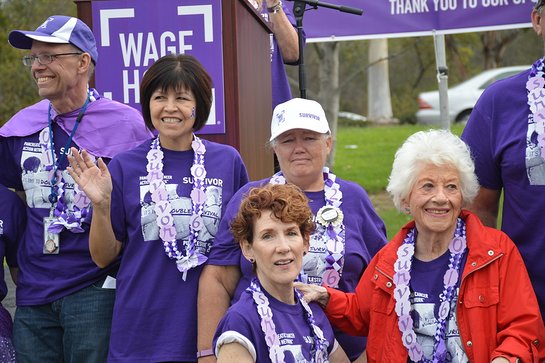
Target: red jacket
497, 313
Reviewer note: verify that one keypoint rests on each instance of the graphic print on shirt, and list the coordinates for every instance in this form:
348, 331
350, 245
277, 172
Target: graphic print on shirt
292, 350
178, 196
314, 263
425, 324
535, 165
36, 180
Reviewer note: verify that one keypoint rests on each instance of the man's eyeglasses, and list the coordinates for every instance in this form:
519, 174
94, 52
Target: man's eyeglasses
44, 59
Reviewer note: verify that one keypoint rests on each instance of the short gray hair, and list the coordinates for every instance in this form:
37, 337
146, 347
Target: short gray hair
435, 147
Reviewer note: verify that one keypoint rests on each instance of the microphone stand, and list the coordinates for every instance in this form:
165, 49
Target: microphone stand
299, 7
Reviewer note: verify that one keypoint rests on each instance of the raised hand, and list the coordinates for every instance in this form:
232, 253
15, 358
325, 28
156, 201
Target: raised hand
93, 179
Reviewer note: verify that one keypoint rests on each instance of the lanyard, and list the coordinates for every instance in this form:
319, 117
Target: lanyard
53, 196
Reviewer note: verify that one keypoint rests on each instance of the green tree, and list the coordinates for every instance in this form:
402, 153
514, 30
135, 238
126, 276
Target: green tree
17, 86
412, 65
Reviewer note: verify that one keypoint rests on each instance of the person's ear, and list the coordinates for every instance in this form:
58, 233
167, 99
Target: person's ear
329, 143
306, 243
85, 62
247, 250
405, 207
536, 22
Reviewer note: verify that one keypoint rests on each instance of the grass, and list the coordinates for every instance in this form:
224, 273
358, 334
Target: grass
365, 155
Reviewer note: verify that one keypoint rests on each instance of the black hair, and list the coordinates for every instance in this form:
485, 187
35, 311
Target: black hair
178, 72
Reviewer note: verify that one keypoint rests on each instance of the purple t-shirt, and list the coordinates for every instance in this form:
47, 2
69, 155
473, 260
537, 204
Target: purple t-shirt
504, 146
291, 325
155, 312
44, 278
12, 227
426, 288
365, 236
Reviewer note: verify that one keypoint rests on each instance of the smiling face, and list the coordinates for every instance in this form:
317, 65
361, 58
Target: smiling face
302, 154
277, 249
173, 115
62, 79
435, 201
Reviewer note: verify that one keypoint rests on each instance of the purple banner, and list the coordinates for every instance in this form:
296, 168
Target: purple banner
132, 35
398, 18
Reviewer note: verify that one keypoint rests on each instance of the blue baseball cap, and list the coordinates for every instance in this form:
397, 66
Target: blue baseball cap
59, 29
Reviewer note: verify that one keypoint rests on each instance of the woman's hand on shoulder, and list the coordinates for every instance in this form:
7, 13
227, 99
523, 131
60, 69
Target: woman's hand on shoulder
313, 293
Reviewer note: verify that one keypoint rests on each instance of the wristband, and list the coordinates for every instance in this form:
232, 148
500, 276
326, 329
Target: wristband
275, 8
205, 353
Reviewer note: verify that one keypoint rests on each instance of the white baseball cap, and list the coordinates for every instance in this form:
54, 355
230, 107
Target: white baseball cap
298, 113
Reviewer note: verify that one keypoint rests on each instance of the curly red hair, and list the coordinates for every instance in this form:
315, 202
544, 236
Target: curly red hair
286, 202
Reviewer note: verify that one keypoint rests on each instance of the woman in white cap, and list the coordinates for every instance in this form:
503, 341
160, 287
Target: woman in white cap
349, 231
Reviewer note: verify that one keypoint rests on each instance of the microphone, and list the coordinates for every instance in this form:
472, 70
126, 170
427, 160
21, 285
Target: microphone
344, 9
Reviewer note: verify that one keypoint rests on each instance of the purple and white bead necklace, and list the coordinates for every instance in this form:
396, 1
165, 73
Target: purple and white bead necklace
402, 279
330, 217
276, 354
536, 100
163, 208
70, 219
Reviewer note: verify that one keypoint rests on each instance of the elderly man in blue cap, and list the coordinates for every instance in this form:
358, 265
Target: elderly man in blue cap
64, 301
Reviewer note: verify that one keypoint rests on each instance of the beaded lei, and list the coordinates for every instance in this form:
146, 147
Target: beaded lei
536, 101
163, 209
331, 217
402, 278
319, 350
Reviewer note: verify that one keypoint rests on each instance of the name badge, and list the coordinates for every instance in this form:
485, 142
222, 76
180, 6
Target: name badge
329, 215
51, 240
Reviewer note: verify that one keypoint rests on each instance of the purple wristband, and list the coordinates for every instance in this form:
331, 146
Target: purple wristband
205, 353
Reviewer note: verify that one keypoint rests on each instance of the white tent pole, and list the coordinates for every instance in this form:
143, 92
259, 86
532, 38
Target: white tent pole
442, 78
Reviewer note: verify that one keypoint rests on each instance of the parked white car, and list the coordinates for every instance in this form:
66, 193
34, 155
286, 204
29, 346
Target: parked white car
352, 116
461, 98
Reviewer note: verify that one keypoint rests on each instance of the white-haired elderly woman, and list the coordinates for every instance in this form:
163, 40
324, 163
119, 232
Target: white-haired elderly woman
446, 288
